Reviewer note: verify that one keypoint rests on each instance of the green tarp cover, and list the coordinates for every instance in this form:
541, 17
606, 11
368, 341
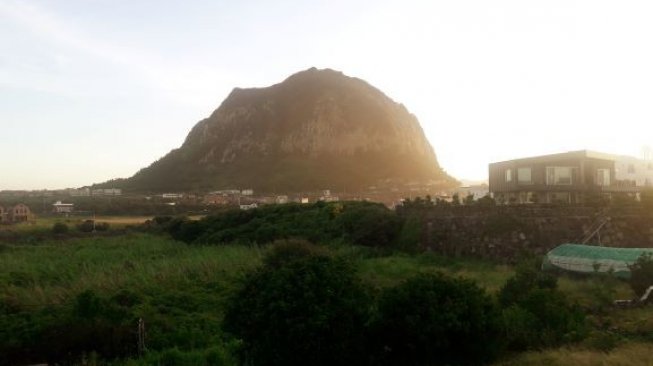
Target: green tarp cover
588, 258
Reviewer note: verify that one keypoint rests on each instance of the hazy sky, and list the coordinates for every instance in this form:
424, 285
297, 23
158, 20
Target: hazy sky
96, 89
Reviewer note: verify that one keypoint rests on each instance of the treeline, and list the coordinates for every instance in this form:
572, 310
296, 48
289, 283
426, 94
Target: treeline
360, 223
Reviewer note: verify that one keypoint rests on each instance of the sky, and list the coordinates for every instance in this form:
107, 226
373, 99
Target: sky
96, 89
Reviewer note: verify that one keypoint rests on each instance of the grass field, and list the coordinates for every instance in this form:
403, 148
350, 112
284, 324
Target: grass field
180, 290
631, 354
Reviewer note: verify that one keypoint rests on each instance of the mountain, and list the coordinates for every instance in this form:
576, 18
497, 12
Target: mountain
318, 129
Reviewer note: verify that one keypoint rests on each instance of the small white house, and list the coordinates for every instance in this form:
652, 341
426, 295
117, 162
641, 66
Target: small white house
63, 208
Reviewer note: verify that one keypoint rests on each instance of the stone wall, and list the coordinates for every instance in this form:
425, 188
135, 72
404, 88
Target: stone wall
504, 232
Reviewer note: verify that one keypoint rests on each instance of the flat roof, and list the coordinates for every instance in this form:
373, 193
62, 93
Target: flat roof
565, 155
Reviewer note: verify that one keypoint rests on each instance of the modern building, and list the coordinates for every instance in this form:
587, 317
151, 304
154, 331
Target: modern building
570, 177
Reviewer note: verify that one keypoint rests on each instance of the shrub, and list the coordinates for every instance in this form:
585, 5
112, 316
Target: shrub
59, 228
535, 313
284, 252
86, 226
641, 274
307, 312
528, 276
369, 225
432, 319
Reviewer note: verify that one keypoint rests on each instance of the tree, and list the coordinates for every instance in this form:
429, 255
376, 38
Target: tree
309, 311
535, 314
432, 319
641, 274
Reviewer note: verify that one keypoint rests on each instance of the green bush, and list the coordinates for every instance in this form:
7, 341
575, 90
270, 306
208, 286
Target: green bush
284, 252
310, 311
528, 276
535, 314
59, 228
641, 274
363, 223
86, 226
432, 319
370, 225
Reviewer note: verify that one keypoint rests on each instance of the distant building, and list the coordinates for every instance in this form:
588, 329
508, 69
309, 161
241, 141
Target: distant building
15, 214
567, 177
247, 192
281, 200
106, 192
172, 195
329, 199
634, 172
217, 199
477, 191
228, 192
81, 192
249, 207
63, 208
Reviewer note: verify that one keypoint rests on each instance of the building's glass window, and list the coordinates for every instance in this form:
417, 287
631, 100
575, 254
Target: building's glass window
559, 175
603, 177
508, 175
524, 176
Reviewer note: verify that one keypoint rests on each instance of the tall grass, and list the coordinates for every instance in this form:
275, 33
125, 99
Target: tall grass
632, 354
52, 273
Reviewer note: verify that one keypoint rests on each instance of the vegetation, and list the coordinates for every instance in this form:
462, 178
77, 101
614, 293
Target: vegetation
536, 314
362, 223
305, 311
433, 319
641, 277
345, 300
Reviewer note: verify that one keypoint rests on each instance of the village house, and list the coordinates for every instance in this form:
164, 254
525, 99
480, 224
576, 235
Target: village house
15, 214
571, 177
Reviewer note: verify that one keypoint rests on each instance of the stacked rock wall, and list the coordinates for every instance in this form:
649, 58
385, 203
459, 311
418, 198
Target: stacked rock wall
505, 232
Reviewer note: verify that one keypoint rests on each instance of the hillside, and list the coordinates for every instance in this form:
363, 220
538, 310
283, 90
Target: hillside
318, 129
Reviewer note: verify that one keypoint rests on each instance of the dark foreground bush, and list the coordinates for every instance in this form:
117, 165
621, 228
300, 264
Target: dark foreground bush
641, 274
535, 314
309, 311
92, 325
436, 320
283, 252
59, 228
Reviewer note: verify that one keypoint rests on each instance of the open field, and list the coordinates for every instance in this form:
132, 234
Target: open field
180, 290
